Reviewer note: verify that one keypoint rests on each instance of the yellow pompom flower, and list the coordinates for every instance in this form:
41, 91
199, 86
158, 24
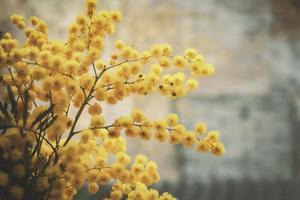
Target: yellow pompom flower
137, 115
189, 138
145, 133
201, 128
81, 20
74, 29
192, 84
38, 73
137, 169
141, 159
101, 94
41, 184
145, 55
213, 136
93, 187
95, 109
208, 70
3, 178
166, 196
97, 121
167, 49
123, 158
100, 64
172, 119
34, 20
104, 178
175, 138
91, 4
57, 82
164, 62
16, 192
179, 61
48, 88
161, 136
115, 16
179, 128
203, 146
218, 149
116, 195
153, 194
86, 136
135, 68
156, 51
160, 125
119, 44
19, 170
190, 54
42, 27
18, 20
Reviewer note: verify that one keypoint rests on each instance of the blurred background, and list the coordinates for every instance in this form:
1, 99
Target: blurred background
254, 98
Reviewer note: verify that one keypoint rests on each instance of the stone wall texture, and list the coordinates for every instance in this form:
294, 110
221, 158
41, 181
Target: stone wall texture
254, 98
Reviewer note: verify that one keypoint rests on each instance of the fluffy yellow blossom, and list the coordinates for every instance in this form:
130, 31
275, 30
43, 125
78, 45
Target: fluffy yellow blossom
3, 178
95, 109
48, 85
166, 196
123, 158
93, 187
164, 62
116, 195
34, 20
115, 16
100, 64
218, 149
161, 136
203, 146
42, 184
119, 44
104, 178
19, 170
189, 138
192, 84
145, 133
175, 138
160, 125
86, 136
213, 136
137, 115
156, 51
16, 192
18, 20
132, 131
190, 54
179, 61
97, 121
172, 119
200, 127
142, 159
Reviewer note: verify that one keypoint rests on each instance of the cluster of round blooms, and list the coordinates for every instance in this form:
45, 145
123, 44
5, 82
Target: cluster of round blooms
45, 79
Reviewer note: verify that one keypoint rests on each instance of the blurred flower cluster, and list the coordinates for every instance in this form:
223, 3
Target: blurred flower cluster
42, 80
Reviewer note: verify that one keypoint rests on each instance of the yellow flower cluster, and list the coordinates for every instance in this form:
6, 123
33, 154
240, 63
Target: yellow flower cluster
44, 79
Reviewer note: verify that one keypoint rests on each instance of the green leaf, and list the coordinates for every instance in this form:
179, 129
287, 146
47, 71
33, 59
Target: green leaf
13, 102
3, 108
25, 110
4, 126
41, 116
